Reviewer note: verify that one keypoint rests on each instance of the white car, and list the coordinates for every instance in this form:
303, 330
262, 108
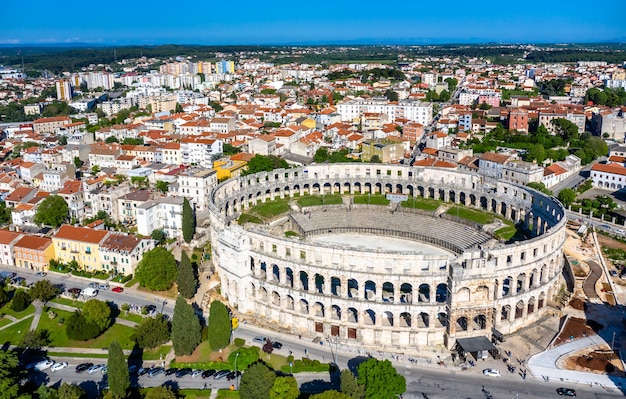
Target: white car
95, 367
491, 372
58, 366
44, 364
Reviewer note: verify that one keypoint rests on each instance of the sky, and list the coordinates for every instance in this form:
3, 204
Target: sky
247, 22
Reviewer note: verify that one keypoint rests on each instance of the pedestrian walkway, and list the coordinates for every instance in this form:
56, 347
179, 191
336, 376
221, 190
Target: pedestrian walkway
38, 309
67, 308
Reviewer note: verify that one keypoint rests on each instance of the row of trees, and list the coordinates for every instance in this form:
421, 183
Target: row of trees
158, 271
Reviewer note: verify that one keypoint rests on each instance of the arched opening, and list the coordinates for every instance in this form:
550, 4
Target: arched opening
423, 320
481, 294
531, 305
370, 317
370, 290
336, 313
405, 319
519, 284
519, 310
461, 323
442, 319
319, 309
387, 292
304, 306
263, 294
275, 273
263, 271
353, 315
442, 293
275, 298
541, 300
289, 302
289, 275
335, 286
353, 288
304, 281
506, 286
463, 294
387, 319
506, 312
424, 293
319, 283
406, 293
480, 322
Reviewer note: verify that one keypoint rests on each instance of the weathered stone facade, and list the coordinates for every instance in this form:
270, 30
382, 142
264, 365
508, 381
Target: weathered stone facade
399, 300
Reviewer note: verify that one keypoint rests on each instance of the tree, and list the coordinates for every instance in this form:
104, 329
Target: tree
186, 280
375, 159
52, 211
539, 186
10, 375
321, 155
162, 186
256, 382
158, 235
247, 356
284, 388
43, 290
262, 163
157, 270
229, 149
186, 329
391, 95
78, 163
35, 339
160, 393
97, 312
452, 84
71, 391
330, 394
380, 379
350, 386
20, 301
179, 108
189, 221
567, 196
111, 140
153, 331
4, 297
119, 378
268, 347
5, 213
79, 329
219, 326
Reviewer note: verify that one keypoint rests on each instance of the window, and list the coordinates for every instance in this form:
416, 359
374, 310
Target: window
274, 248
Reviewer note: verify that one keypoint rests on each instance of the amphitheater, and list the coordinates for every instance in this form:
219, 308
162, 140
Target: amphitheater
387, 277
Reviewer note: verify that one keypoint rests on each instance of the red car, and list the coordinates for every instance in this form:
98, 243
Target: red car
117, 289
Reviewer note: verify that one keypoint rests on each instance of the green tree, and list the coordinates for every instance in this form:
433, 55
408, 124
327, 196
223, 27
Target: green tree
158, 235
43, 290
186, 280
46, 392
186, 329
284, 388
5, 213
52, 211
452, 84
4, 297
153, 331
160, 393
71, 391
218, 326
78, 163
350, 386
119, 378
111, 140
247, 356
330, 394
229, 149
10, 375
189, 221
391, 95
321, 155
97, 312
133, 141
566, 129
20, 301
95, 170
375, 159
78, 328
539, 186
162, 186
567, 196
380, 379
157, 270
35, 339
256, 382
262, 163
178, 109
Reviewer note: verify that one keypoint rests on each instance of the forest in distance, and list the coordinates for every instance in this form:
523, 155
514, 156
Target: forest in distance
66, 58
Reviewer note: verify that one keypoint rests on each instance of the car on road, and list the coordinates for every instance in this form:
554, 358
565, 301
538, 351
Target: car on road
183, 372
196, 373
150, 309
44, 364
171, 371
41, 274
18, 280
133, 369
104, 370
208, 373
95, 368
103, 287
143, 370
259, 340
58, 366
83, 367
566, 392
74, 291
233, 374
117, 289
93, 284
156, 371
221, 374
491, 372
277, 345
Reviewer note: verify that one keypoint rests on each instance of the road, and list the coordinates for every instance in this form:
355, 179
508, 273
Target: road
433, 381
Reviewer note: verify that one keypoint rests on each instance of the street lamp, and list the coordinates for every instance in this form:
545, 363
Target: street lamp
236, 374
330, 344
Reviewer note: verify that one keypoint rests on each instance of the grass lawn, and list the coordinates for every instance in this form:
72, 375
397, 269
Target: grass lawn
271, 208
14, 334
227, 393
136, 318
196, 393
68, 302
130, 283
247, 218
318, 200
4, 321
60, 340
6, 309
427, 204
79, 355
505, 233
155, 354
374, 199
472, 215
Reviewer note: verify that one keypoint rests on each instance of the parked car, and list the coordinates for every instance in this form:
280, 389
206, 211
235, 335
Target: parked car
18, 280
133, 369
233, 374
143, 370
183, 372
221, 374
491, 372
41, 274
58, 366
207, 373
104, 370
566, 392
74, 291
44, 364
83, 366
259, 340
117, 289
171, 371
277, 345
93, 284
103, 286
95, 367
156, 371
196, 373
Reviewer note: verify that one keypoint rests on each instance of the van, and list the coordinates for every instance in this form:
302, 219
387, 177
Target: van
89, 292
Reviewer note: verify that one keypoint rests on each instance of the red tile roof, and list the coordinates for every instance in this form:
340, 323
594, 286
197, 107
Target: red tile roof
82, 234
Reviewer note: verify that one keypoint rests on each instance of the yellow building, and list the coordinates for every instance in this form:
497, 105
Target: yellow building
386, 150
227, 168
308, 122
79, 244
34, 253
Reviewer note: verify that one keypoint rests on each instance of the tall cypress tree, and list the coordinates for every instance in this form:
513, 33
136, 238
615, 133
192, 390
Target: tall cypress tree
219, 326
119, 379
186, 329
189, 221
187, 281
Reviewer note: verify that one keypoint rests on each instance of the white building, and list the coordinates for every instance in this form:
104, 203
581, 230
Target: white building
416, 111
196, 185
610, 176
161, 214
122, 252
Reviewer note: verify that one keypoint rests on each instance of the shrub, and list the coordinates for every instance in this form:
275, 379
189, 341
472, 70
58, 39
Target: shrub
239, 342
20, 301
